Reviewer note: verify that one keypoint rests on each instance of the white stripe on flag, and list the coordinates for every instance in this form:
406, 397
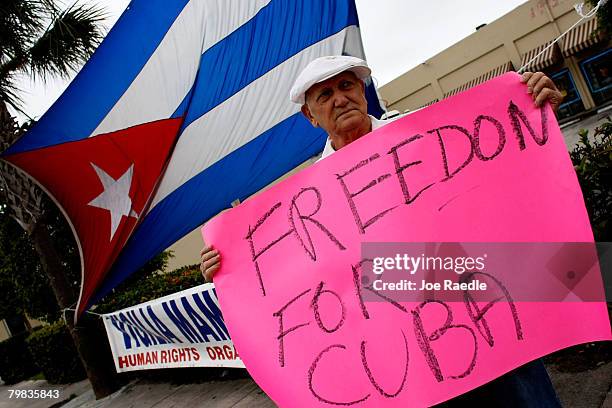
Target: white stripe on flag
245, 115
169, 74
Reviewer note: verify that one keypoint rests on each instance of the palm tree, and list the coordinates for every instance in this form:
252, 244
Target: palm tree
39, 38
43, 39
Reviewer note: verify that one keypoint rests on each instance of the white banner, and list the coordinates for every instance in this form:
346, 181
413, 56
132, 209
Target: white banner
184, 329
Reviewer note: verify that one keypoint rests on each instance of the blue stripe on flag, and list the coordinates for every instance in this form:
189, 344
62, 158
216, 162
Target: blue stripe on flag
241, 173
260, 45
374, 108
96, 89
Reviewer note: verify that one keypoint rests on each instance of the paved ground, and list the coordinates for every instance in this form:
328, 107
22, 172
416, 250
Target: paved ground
582, 389
241, 393
585, 389
570, 130
65, 392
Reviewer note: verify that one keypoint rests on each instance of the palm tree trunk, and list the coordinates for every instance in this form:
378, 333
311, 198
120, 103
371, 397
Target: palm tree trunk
52, 264
86, 335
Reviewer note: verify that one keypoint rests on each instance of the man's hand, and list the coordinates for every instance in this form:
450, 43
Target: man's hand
542, 89
210, 262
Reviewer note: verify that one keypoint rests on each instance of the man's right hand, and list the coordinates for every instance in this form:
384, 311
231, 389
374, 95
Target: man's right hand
210, 262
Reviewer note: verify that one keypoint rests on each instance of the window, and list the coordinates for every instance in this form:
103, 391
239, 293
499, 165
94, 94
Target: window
572, 104
597, 73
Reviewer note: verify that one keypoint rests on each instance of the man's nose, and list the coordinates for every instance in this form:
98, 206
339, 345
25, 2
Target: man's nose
340, 99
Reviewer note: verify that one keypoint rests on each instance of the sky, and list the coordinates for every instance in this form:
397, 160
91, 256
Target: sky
397, 36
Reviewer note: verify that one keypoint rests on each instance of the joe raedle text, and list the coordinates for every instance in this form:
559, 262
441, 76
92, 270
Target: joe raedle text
447, 285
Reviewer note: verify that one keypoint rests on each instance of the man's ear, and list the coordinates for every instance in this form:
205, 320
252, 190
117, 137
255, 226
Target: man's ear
306, 112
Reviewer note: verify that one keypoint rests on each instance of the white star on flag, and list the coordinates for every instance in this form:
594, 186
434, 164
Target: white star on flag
115, 197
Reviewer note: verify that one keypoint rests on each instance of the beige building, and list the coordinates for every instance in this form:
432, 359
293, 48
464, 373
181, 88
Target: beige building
16, 325
579, 63
5, 333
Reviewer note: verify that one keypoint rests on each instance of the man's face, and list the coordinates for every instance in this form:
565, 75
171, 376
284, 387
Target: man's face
339, 106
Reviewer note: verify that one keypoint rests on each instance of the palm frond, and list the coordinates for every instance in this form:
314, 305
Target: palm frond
10, 93
21, 21
68, 42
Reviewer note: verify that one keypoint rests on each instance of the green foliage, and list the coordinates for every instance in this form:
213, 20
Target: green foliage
151, 287
16, 362
592, 158
53, 350
24, 285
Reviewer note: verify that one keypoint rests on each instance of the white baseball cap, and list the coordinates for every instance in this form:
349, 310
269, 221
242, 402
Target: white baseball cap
324, 68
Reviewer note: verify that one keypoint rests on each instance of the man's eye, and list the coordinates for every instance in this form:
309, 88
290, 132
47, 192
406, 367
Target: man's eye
346, 84
324, 96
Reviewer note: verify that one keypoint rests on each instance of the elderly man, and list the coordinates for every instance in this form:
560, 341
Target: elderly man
331, 92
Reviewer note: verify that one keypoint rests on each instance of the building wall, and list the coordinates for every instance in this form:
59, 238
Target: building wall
4, 331
506, 39
186, 250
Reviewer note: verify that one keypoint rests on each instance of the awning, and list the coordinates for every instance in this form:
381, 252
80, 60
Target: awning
502, 69
410, 110
545, 60
427, 104
581, 37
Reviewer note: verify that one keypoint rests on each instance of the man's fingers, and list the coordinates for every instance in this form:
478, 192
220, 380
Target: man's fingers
210, 267
554, 97
208, 255
542, 96
542, 89
210, 273
525, 77
544, 83
533, 80
211, 262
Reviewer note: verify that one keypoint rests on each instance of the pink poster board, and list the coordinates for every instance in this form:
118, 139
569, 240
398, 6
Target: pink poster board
482, 166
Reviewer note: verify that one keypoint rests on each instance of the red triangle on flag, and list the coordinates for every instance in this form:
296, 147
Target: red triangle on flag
102, 184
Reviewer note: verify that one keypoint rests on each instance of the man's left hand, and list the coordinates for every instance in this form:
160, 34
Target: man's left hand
542, 89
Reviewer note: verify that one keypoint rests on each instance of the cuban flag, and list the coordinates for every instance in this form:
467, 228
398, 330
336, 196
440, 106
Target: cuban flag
183, 109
